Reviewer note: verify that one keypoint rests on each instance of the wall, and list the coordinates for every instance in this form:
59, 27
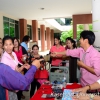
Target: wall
1, 26
80, 19
9, 16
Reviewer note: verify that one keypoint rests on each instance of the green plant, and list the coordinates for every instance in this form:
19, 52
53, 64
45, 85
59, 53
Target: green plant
66, 34
69, 33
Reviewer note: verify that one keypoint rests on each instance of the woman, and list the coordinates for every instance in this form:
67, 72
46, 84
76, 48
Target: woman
71, 44
56, 48
66, 47
9, 58
37, 82
21, 54
20, 51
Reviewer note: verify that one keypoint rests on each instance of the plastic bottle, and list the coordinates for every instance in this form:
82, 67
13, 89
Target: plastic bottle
64, 81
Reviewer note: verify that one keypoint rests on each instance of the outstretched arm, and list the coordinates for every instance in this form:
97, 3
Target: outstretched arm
13, 80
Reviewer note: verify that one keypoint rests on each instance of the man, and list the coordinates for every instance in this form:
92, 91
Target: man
83, 90
13, 80
89, 58
25, 41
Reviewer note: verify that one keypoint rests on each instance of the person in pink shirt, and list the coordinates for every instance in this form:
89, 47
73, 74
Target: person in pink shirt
56, 48
89, 58
9, 58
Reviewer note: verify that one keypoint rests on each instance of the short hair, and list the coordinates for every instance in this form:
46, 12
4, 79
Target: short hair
88, 35
25, 38
7, 38
35, 46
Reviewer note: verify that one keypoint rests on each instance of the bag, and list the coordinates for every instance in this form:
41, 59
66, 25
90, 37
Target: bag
41, 74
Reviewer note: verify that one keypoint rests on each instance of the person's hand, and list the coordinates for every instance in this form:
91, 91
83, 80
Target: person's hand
29, 50
19, 69
54, 54
81, 90
37, 63
23, 59
80, 64
81, 97
27, 66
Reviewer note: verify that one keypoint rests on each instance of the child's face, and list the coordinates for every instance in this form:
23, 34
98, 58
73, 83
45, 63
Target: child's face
8, 46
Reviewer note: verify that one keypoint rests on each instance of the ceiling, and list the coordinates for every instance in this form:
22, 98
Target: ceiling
31, 9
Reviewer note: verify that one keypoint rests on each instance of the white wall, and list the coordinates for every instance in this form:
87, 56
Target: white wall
1, 26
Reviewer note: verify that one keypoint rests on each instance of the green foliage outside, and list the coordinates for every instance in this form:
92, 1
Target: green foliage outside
69, 33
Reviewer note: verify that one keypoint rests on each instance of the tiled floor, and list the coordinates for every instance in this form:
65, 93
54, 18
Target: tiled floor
27, 95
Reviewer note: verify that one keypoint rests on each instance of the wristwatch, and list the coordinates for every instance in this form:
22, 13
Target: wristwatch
91, 96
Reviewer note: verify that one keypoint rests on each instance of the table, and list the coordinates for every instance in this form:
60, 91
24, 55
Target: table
46, 89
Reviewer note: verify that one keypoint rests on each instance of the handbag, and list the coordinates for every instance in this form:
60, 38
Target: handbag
41, 74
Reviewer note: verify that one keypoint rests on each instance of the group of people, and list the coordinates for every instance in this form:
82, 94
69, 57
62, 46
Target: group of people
15, 59
89, 63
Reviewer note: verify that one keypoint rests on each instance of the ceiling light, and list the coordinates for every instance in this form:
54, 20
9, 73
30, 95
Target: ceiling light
42, 8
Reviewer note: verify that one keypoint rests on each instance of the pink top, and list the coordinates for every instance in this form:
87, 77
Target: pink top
91, 59
55, 62
19, 54
8, 60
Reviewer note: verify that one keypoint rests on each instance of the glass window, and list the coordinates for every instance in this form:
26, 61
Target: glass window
17, 31
12, 21
29, 31
6, 19
6, 28
11, 27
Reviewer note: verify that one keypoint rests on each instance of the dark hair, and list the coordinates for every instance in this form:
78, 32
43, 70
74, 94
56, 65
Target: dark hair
88, 35
26, 38
68, 38
15, 38
72, 41
7, 38
58, 39
35, 46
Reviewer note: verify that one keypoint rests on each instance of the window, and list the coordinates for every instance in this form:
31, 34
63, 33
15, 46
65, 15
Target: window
57, 35
11, 27
29, 31
39, 34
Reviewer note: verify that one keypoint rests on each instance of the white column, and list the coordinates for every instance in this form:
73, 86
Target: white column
86, 26
96, 20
